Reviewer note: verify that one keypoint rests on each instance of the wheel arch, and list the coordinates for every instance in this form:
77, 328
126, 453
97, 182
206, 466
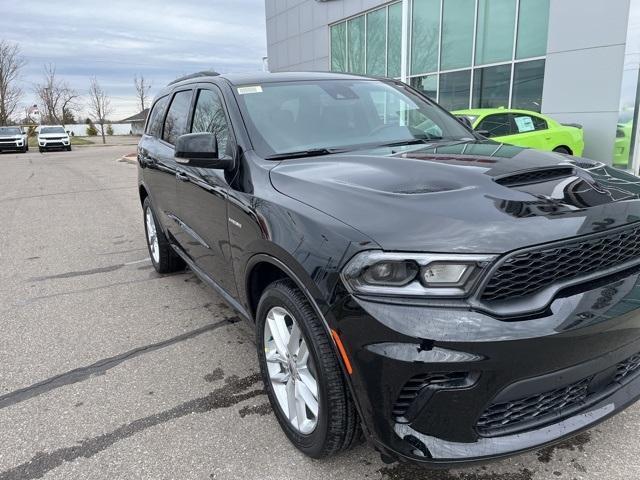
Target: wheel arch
263, 269
143, 193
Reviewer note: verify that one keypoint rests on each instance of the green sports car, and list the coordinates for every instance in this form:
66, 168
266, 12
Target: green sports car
622, 146
525, 129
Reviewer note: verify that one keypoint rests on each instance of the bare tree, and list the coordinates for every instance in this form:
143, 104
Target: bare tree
11, 61
99, 105
142, 90
57, 97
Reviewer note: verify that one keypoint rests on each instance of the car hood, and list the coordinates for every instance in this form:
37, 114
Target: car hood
53, 135
474, 197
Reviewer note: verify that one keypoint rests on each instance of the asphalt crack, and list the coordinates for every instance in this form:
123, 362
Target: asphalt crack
232, 393
78, 273
101, 366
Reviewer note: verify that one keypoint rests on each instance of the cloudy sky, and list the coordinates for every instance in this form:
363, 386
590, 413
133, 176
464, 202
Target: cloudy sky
116, 39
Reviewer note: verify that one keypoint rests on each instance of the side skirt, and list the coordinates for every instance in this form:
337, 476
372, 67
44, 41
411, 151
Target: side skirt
232, 302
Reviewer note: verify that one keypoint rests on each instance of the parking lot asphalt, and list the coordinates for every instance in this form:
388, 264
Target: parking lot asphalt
109, 370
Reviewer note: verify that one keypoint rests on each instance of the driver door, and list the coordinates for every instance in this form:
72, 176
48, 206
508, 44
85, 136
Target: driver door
202, 194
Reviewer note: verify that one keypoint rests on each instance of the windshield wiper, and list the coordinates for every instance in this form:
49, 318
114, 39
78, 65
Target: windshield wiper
313, 152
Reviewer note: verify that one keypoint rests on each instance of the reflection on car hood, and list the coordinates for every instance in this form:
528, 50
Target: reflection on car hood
475, 197
11, 137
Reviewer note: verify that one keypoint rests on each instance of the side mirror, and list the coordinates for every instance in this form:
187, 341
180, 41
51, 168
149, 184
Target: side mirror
465, 121
200, 150
484, 133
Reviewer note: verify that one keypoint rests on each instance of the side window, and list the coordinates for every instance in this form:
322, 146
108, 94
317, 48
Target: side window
154, 125
209, 117
497, 125
540, 123
176, 122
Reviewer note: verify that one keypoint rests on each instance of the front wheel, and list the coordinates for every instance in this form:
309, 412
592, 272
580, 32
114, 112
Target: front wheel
302, 374
69, 148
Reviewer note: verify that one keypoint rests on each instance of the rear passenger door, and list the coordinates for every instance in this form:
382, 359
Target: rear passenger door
159, 167
203, 193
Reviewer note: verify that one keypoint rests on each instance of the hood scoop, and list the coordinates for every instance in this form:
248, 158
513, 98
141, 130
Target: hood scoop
535, 176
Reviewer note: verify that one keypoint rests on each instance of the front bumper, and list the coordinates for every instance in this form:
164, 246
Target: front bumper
53, 143
11, 145
491, 382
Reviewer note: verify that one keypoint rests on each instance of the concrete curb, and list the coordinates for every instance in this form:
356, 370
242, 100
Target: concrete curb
131, 158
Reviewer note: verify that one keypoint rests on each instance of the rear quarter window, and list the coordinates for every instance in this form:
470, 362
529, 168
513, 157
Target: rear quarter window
154, 125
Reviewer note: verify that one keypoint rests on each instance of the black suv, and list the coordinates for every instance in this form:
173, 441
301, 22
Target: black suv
453, 298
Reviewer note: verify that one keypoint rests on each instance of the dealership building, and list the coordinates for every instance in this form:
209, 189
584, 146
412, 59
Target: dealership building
574, 60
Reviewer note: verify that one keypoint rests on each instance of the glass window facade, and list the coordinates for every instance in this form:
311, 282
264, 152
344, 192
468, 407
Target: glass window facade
376, 42
339, 47
427, 84
457, 33
394, 39
425, 36
462, 53
491, 87
494, 37
528, 78
356, 45
454, 89
370, 43
533, 23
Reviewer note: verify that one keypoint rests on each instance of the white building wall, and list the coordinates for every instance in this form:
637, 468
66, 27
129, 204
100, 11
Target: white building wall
585, 59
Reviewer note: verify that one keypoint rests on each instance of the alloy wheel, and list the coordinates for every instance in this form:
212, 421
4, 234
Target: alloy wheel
291, 370
152, 236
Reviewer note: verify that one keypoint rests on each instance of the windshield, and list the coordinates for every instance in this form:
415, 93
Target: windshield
52, 130
10, 131
336, 114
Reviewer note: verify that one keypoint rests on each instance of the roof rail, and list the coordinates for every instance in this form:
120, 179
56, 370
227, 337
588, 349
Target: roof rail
195, 75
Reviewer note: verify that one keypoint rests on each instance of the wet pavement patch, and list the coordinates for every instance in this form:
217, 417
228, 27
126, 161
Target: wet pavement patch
414, 472
217, 374
545, 455
261, 409
233, 392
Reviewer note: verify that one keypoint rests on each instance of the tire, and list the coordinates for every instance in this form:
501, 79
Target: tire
41, 149
69, 148
564, 150
163, 258
336, 423
25, 149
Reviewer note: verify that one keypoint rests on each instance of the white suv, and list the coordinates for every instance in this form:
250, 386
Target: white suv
53, 136
13, 138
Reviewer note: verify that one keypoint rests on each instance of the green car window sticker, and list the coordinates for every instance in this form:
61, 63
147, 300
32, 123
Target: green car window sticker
525, 124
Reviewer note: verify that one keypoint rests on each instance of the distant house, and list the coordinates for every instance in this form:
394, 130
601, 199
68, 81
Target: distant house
137, 122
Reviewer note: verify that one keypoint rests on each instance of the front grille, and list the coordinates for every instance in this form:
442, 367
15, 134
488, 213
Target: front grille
414, 386
535, 176
627, 368
501, 415
522, 274
536, 410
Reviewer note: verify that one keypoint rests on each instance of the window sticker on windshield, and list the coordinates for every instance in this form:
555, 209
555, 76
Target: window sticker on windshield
251, 89
525, 124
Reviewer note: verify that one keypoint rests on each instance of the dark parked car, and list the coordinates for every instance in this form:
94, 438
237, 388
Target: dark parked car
453, 298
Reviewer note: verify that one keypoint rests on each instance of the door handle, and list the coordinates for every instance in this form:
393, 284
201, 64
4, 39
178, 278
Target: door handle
182, 176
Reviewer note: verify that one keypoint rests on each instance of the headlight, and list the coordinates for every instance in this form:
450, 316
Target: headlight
414, 274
